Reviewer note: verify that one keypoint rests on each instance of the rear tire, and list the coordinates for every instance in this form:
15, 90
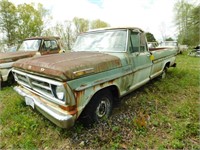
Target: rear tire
99, 108
164, 72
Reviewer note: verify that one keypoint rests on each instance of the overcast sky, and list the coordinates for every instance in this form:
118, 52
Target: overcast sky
153, 16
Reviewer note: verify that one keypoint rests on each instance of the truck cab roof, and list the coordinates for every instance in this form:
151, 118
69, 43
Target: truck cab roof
114, 28
43, 37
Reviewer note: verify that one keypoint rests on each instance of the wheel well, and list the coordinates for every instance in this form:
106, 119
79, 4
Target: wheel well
10, 74
114, 92
167, 65
10, 79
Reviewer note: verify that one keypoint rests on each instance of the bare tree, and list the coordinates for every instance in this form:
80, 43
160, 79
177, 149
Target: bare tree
81, 25
163, 31
64, 31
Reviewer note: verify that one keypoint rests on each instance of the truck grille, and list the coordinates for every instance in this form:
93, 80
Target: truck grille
43, 86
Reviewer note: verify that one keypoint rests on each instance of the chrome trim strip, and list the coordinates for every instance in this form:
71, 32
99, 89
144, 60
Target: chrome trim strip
35, 90
88, 70
127, 37
50, 98
38, 78
41, 86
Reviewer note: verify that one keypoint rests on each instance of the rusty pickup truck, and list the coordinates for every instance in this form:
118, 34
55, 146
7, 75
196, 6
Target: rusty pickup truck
30, 47
104, 65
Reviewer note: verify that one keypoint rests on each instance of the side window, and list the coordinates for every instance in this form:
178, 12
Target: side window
135, 42
50, 45
143, 46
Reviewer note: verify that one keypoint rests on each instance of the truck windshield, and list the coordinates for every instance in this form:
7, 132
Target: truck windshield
109, 41
30, 45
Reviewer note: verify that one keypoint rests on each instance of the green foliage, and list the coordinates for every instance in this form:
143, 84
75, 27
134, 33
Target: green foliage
187, 21
150, 37
194, 26
98, 24
81, 25
30, 23
22, 21
8, 21
169, 39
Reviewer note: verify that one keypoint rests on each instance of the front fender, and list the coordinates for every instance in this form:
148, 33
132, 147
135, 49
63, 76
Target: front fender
5, 69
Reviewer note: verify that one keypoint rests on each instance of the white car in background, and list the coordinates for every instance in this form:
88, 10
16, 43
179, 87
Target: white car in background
183, 48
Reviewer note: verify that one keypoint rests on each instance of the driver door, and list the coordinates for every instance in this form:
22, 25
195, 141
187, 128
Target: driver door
140, 58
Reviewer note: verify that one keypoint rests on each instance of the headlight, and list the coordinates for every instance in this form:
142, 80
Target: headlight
60, 92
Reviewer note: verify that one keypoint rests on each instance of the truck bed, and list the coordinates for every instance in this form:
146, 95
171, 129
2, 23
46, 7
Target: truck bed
157, 49
162, 52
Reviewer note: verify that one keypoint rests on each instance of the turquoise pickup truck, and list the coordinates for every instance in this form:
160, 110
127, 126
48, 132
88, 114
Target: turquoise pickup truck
104, 65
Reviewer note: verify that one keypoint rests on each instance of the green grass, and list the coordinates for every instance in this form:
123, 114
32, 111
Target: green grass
163, 114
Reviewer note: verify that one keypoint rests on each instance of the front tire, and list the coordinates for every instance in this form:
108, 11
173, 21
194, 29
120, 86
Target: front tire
99, 108
10, 80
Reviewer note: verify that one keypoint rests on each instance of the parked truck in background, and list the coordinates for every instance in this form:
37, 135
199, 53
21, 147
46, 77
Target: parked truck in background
30, 47
171, 44
104, 65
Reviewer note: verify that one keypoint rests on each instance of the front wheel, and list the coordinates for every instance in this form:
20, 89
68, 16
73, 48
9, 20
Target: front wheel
10, 79
98, 108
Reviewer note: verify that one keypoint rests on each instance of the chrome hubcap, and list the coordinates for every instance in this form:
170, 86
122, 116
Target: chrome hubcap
103, 108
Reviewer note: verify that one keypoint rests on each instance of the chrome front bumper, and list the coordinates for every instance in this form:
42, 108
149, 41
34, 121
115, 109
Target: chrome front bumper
62, 120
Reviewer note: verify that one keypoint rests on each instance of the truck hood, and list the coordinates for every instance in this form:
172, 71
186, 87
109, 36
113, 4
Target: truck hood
68, 66
14, 56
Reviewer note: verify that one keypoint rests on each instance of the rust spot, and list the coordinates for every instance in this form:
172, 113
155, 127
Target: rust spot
83, 85
63, 66
111, 82
71, 109
102, 85
68, 89
14, 56
79, 94
78, 97
94, 88
99, 81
